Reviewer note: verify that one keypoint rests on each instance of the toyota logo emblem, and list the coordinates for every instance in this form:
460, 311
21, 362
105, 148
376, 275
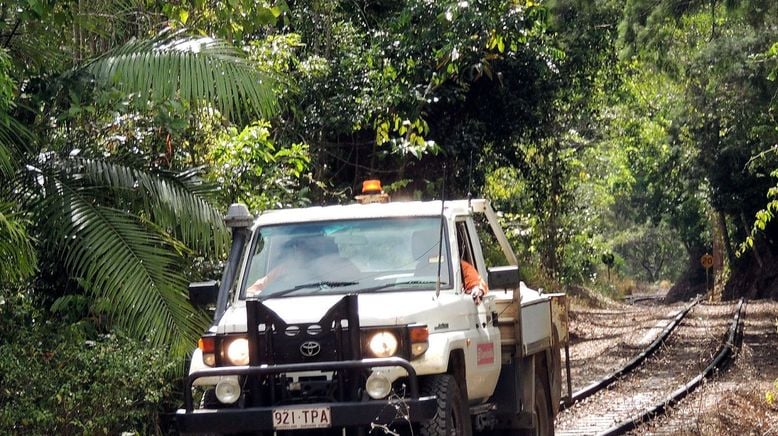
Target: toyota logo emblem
310, 348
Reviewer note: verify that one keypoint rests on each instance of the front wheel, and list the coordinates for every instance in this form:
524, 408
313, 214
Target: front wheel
452, 417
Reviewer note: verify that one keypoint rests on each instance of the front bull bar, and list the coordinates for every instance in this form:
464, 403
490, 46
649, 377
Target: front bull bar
343, 413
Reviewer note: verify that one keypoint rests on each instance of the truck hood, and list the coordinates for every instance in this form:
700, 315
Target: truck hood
448, 311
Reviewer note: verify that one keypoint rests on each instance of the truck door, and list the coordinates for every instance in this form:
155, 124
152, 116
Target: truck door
484, 358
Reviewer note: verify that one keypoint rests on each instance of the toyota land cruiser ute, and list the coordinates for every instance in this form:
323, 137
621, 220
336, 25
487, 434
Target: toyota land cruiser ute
352, 319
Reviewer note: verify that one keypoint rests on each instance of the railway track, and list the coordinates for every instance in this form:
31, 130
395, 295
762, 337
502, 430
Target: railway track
642, 298
650, 382
633, 363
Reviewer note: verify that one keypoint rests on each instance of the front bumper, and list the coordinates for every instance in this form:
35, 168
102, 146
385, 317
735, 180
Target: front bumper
343, 414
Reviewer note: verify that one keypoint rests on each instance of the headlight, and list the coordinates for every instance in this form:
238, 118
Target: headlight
238, 351
383, 344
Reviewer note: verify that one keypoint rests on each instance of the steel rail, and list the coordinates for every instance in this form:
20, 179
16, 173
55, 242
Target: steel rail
725, 354
636, 361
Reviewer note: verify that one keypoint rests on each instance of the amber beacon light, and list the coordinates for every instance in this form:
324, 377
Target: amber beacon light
372, 186
372, 192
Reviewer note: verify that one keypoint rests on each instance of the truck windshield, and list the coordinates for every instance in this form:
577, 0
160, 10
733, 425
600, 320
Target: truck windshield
347, 256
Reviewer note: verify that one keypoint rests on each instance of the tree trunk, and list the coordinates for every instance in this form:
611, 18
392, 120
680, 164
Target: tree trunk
553, 242
724, 233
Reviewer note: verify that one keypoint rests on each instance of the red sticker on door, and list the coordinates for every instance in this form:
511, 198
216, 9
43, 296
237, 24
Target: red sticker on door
485, 353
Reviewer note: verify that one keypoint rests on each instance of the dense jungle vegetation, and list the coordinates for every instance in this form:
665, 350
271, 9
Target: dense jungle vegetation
645, 129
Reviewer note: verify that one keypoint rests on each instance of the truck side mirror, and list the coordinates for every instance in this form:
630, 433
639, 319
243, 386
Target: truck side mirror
504, 277
203, 293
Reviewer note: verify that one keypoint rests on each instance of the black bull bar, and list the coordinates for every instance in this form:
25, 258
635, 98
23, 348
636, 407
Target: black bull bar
343, 414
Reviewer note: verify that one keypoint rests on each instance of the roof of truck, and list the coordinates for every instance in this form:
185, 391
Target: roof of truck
374, 210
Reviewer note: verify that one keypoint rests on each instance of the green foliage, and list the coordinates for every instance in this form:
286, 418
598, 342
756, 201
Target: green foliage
194, 69
47, 37
132, 259
699, 111
7, 85
250, 169
654, 179
553, 216
109, 222
237, 23
766, 214
17, 254
370, 79
7, 131
772, 55
650, 252
56, 380
762, 219
557, 195
559, 174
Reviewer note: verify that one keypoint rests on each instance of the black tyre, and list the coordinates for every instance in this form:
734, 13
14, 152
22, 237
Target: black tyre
542, 410
556, 373
452, 417
545, 425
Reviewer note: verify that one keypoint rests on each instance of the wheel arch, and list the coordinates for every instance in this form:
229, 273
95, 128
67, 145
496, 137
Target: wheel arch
457, 367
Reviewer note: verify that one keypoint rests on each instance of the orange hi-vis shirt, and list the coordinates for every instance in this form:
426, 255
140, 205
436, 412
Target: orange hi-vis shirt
472, 278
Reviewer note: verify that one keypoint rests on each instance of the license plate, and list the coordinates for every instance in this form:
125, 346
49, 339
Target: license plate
291, 418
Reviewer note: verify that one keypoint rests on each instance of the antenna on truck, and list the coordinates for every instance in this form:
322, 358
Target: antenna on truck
440, 236
470, 180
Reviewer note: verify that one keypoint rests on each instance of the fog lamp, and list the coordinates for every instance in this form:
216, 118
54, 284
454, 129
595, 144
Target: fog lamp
228, 391
378, 386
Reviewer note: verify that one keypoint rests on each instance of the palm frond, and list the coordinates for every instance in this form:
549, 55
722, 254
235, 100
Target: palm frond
120, 259
6, 159
14, 140
193, 68
17, 254
170, 203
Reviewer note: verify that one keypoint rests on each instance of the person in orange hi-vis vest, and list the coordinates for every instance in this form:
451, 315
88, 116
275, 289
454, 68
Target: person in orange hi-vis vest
473, 283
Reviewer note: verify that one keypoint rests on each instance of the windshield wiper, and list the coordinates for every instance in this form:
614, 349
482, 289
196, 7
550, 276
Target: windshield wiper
392, 285
322, 284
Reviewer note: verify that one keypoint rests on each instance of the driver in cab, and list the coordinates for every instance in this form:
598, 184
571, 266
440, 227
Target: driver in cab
306, 258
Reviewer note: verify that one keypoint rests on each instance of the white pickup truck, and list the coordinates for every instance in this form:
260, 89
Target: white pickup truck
352, 319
